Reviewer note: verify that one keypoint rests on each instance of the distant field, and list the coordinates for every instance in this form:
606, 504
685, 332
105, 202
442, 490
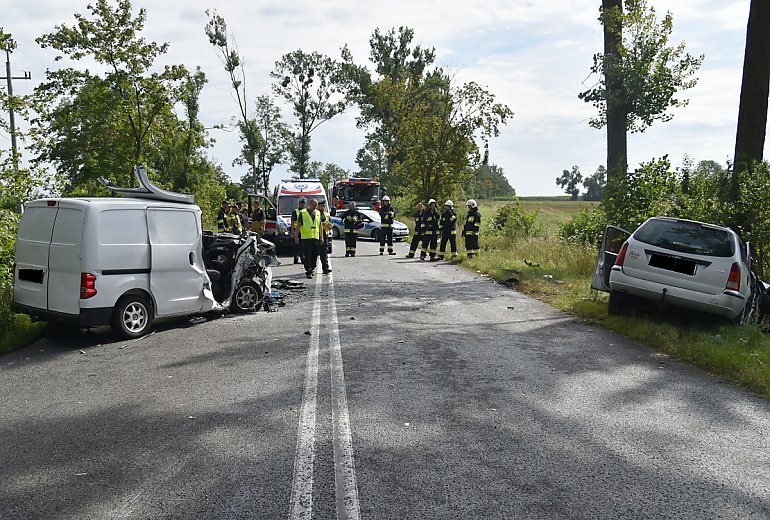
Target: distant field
551, 211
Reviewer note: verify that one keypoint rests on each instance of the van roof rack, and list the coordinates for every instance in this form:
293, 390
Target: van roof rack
147, 190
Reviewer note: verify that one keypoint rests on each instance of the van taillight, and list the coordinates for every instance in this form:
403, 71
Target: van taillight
621, 255
51, 203
734, 280
87, 285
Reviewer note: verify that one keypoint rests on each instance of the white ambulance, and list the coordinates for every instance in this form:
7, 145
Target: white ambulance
284, 201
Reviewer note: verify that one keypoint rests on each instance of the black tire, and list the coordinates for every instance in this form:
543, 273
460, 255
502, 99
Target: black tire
335, 232
375, 235
132, 317
617, 304
247, 297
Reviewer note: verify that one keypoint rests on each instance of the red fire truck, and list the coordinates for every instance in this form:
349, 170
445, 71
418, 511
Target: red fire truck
364, 192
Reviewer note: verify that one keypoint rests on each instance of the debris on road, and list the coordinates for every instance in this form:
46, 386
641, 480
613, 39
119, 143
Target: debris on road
287, 284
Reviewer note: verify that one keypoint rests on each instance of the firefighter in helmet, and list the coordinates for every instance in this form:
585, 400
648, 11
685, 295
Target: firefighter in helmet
471, 228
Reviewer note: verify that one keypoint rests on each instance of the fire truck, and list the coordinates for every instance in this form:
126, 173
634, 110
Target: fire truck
364, 192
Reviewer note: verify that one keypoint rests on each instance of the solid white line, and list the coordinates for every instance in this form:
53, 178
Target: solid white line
302, 482
346, 488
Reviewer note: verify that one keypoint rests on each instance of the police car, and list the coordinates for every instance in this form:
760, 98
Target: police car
372, 226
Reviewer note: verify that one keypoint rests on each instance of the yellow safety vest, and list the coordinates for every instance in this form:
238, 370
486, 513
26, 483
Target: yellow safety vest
311, 226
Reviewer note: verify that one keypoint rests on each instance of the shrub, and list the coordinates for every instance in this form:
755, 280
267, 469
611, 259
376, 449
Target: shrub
512, 220
585, 227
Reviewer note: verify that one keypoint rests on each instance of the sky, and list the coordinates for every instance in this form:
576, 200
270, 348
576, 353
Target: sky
534, 55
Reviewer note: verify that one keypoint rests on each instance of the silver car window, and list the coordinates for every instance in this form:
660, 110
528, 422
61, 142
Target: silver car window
686, 237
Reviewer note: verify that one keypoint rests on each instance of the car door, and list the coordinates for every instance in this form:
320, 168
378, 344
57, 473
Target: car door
177, 273
611, 243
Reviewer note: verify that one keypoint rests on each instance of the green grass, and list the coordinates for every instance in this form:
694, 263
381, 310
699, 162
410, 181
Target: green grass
21, 333
560, 274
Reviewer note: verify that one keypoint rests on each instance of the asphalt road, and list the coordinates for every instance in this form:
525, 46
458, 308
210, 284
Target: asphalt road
393, 388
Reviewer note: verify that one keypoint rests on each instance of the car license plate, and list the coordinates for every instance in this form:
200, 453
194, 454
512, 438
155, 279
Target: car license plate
673, 263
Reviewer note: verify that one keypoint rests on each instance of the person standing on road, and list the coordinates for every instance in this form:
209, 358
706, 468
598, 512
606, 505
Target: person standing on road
258, 219
430, 229
387, 216
326, 231
224, 210
308, 234
417, 235
352, 221
298, 256
471, 228
448, 225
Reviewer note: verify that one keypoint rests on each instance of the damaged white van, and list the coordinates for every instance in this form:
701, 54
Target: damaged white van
117, 261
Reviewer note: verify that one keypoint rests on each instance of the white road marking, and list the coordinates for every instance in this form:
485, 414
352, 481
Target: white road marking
302, 482
346, 488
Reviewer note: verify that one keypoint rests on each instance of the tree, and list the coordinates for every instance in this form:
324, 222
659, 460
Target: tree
317, 88
639, 75
489, 182
569, 182
276, 137
248, 128
752, 113
110, 36
371, 159
595, 184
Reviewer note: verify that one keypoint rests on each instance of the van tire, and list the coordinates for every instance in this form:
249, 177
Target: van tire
132, 317
247, 298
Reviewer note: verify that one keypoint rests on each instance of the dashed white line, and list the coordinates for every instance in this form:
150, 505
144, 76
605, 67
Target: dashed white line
346, 487
302, 482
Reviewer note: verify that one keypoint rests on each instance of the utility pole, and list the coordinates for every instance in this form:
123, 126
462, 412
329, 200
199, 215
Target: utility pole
12, 120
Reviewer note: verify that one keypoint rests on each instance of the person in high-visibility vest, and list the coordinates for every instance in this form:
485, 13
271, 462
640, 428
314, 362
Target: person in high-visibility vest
417, 235
448, 227
258, 219
430, 229
352, 220
312, 239
387, 216
326, 231
471, 228
298, 256
222, 217
233, 220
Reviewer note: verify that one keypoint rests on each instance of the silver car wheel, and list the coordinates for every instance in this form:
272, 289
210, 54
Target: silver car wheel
135, 317
247, 297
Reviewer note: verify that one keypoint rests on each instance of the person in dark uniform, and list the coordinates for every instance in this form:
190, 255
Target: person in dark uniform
417, 235
326, 231
448, 227
471, 228
387, 216
352, 221
298, 253
224, 210
430, 229
308, 234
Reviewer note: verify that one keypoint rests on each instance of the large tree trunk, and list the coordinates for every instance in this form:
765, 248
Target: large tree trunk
752, 114
617, 145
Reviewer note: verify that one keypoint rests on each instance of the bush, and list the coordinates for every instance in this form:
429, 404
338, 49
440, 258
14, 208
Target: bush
586, 227
512, 220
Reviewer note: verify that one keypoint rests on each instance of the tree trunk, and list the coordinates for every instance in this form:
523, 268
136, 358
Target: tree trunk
752, 114
617, 145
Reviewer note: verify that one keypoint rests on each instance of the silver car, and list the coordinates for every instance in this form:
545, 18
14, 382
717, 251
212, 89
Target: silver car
372, 226
682, 263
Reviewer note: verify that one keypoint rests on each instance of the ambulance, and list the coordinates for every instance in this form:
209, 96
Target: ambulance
279, 208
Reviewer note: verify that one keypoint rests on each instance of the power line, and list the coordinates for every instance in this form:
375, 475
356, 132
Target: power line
9, 79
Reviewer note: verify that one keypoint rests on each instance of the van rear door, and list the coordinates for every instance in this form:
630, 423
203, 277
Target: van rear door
177, 272
65, 259
33, 245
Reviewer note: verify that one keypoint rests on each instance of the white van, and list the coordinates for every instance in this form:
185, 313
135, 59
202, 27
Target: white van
117, 261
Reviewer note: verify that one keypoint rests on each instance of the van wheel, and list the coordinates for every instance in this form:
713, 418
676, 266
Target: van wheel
132, 317
247, 298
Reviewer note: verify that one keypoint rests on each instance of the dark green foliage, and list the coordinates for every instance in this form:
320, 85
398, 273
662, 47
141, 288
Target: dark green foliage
595, 184
512, 220
587, 227
489, 182
569, 181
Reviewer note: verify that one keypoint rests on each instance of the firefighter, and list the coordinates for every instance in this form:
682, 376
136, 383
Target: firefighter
307, 233
387, 215
298, 255
471, 228
430, 229
352, 222
258, 219
326, 231
448, 226
417, 235
233, 221
222, 217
